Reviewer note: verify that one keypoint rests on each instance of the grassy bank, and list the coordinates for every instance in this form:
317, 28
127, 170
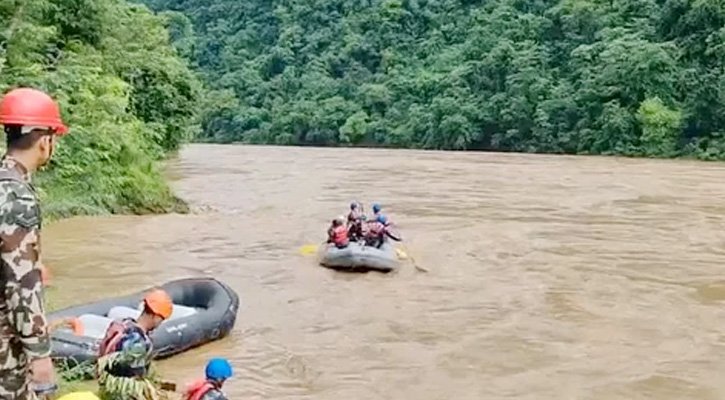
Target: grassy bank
113, 190
125, 93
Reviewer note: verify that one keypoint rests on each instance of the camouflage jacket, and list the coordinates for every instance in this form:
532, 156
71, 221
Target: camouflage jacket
23, 325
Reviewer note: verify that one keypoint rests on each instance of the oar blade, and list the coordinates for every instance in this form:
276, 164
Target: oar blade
401, 254
308, 249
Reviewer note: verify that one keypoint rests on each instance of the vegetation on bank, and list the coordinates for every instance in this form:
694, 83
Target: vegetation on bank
631, 77
127, 96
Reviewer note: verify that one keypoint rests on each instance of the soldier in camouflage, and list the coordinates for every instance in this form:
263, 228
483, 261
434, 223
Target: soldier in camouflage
31, 121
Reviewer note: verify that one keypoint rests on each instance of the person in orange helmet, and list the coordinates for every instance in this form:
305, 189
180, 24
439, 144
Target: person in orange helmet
130, 339
31, 121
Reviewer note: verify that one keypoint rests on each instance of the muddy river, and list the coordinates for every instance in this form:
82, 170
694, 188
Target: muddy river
549, 277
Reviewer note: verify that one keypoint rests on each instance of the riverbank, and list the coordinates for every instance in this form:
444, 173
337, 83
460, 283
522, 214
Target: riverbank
105, 189
123, 192
126, 95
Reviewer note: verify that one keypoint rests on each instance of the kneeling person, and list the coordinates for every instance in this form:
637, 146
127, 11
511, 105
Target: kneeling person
125, 352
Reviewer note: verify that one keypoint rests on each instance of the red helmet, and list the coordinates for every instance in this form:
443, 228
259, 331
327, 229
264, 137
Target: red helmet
31, 107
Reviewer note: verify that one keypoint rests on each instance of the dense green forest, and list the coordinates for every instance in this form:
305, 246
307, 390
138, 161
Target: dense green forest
632, 77
126, 94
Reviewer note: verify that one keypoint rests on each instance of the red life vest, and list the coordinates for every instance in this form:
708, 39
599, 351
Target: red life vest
374, 229
198, 389
115, 333
339, 235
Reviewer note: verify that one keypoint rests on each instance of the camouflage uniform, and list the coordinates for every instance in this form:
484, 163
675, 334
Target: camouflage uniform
23, 325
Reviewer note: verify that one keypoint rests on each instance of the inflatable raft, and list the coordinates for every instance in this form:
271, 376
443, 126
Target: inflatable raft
204, 310
357, 257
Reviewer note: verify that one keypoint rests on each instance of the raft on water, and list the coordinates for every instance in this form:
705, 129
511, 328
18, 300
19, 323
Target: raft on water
358, 257
204, 310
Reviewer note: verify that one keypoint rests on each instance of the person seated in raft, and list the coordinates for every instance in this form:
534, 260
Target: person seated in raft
355, 221
337, 233
218, 370
377, 232
377, 211
125, 353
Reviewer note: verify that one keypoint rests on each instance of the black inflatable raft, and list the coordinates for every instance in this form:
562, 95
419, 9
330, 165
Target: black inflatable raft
205, 310
357, 257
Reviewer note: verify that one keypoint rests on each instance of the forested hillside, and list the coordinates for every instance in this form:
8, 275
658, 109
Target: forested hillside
124, 92
634, 77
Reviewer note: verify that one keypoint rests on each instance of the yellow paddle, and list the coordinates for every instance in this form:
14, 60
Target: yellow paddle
401, 254
309, 249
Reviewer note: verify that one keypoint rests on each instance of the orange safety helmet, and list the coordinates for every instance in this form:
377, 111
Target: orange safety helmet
77, 325
158, 302
31, 107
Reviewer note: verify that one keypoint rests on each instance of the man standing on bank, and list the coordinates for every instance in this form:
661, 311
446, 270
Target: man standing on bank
31, 120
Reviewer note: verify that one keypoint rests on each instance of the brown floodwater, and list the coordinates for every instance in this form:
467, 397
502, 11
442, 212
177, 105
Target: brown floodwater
550, 277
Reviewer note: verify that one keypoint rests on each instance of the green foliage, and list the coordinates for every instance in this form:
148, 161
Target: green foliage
660, 127
633, 77
125, 93
122, 388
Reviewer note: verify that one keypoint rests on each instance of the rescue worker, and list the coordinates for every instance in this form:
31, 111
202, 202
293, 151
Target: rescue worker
355, 222
218, 370
376, 232
378, 212
32, 122
126, 350
337, 233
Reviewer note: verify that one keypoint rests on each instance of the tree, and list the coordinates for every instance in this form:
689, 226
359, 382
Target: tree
563, 76
660, 127
125, 93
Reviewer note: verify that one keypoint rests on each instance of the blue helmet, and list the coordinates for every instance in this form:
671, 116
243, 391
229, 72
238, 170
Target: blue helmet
377, 207
218, 369
354, 205
382, 219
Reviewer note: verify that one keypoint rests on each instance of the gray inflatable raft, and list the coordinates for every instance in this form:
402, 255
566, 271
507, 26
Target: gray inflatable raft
204, 310
357, 257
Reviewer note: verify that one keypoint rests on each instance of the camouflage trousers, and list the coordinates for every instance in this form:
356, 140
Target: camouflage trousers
15, 385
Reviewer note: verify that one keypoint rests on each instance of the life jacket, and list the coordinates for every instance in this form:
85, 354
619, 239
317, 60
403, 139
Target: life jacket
115, 333
354, 217
374, 229
198, 389
339, 236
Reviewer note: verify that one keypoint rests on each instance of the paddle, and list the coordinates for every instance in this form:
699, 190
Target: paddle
167, 386
308, 249
408, 255
405, 254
